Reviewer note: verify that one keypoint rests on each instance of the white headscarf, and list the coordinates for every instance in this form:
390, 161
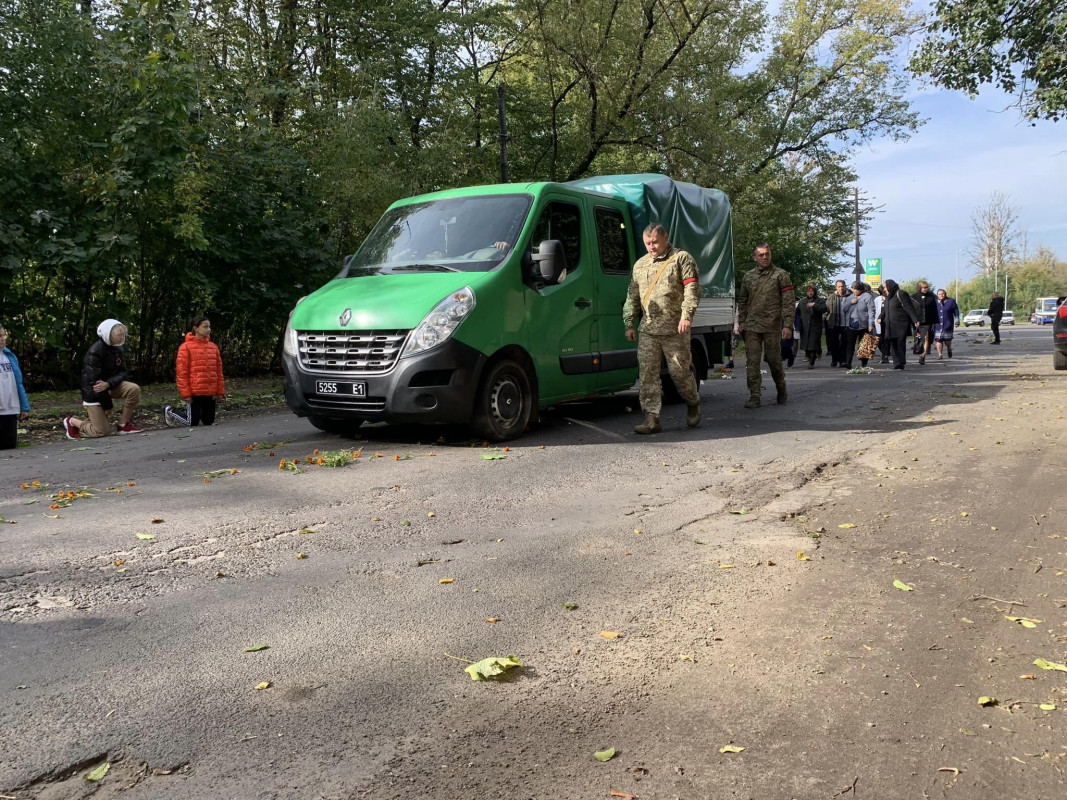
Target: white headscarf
103, 330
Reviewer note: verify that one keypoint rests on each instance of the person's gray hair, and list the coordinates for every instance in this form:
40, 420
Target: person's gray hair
654, 229
761, 246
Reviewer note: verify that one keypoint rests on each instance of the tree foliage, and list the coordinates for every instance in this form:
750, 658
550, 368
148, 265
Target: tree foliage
1019, 46
164, 158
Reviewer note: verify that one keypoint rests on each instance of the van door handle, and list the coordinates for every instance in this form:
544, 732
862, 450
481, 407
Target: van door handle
581, 302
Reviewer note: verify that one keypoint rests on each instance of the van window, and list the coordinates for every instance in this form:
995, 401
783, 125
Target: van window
611, 238
562, 221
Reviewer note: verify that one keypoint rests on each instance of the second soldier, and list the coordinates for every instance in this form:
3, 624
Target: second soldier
664, 292
765, 308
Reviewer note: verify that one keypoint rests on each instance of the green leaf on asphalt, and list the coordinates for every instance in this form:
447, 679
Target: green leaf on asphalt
256, 648
1026, 622
1040, 662
987, 701
1047, 706
146, 536
902, 586
730, 748
493, 456
604, 755
491, 667
31, 502
740, 511
570, 606
966, 732
697, 541
99, 772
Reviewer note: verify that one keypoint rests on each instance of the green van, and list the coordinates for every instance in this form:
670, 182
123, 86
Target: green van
485, 304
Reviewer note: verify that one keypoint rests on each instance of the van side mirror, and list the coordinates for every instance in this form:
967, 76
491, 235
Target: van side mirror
550, 262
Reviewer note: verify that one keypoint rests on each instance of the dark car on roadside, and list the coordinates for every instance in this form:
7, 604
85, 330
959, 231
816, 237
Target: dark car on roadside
1059, 335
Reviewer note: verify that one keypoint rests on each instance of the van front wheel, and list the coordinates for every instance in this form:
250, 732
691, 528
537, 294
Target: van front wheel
504, 403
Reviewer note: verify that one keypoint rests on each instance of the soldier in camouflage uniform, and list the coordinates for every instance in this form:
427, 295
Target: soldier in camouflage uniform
664, 292
765, 308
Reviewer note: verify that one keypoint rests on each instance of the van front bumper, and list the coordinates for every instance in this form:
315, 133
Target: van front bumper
437, 386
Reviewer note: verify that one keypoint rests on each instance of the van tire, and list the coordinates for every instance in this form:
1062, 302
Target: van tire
1059, 360
504, 403
340, 426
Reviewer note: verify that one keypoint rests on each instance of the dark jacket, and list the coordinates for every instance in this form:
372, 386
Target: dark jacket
927, 308
996, 309
898, 318
103, 362
811, 322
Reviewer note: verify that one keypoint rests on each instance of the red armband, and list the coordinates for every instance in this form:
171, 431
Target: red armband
786, 289
688, 281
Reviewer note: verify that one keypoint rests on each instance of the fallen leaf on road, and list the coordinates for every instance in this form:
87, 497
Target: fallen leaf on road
446, 580
623, 795
968, 621
638, 530
256, 648
846, 525
493, 456
570, 606
1026, 622
731, 748
119, 562
157, 520
966, 732
259, 687
697, 541
610, 634
740, 511
604, 755
301, 555
99, 772
1040, 662
802, 557
955, 772
726, 566
146, 536
493, 619
902, 586
987, 701
491, 667
1028, 677
1047, 706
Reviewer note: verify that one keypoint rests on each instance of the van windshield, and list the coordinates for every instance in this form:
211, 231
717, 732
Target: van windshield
1046, 304
458, 234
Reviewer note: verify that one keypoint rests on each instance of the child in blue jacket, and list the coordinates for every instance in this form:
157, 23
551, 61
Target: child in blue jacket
14, 405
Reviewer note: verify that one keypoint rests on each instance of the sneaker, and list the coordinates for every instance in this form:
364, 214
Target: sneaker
129, 427
173, 419
71, 431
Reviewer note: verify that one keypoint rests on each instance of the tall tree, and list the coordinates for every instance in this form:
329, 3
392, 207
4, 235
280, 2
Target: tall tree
1018, 46
995, 235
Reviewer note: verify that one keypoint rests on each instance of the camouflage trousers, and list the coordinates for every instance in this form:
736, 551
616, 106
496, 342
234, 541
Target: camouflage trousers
760, 346
674, 348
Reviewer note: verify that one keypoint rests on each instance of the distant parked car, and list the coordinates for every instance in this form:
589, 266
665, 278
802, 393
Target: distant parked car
1059, 336
1008, 318
975, 317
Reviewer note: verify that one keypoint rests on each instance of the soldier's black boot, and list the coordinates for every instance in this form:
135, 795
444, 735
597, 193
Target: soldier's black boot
692, 417
650, 425
752, 402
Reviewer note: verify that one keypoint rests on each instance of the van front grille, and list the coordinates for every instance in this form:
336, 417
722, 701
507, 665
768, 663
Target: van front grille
349, 353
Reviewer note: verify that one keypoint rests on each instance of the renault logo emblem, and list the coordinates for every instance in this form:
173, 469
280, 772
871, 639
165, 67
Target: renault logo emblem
346, 317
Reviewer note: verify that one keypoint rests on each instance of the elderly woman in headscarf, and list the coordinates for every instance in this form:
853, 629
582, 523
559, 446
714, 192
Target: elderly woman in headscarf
811, 309
898, 319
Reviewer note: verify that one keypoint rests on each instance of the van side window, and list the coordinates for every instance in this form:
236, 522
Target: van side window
562, 221
611, 237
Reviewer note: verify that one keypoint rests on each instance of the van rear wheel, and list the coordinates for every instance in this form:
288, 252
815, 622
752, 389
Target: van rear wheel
1059, 360
504, 403
341, 426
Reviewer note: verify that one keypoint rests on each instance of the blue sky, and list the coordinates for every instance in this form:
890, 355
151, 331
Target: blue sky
930, 184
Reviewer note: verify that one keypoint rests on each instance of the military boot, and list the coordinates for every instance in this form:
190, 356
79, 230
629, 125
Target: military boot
650, 425
783, 397
692, 417
752, 402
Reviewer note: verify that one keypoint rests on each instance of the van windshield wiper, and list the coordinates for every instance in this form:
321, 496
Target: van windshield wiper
424, 268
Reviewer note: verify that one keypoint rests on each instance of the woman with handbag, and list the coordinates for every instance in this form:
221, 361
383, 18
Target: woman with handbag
859, 320
898, 320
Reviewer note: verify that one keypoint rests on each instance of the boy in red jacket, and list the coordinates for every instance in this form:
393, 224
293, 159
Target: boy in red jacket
199, 376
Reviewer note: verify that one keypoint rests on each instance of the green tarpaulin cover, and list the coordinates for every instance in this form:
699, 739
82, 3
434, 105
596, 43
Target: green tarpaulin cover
697, 220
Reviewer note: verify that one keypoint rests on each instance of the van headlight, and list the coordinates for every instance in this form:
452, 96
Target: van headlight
289, 343
439, 325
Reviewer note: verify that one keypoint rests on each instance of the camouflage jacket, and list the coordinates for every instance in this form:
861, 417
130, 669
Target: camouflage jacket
766, 303
674, 297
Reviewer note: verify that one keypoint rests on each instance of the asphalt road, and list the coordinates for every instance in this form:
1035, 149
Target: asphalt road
370, 585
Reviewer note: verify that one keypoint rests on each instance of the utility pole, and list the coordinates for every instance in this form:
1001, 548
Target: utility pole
858, 269
503, 133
